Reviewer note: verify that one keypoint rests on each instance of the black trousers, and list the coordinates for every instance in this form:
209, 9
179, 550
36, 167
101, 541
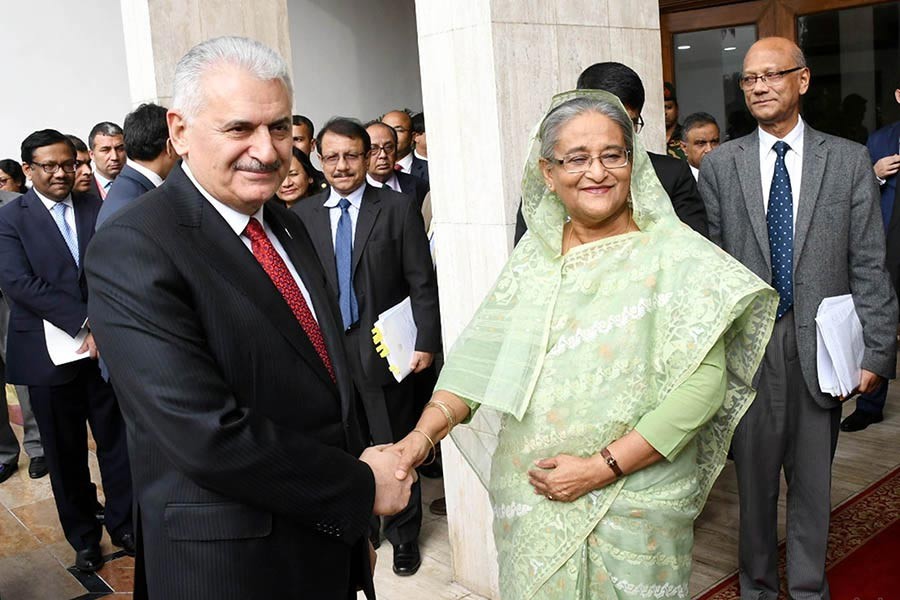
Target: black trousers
62, 413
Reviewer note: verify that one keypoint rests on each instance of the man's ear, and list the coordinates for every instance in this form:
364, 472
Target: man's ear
178, 126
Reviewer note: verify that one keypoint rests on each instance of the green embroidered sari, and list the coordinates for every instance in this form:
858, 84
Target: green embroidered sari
572, 351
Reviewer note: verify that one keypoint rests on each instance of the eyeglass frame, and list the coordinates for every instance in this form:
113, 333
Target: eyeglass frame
376, 149
768, 79
333, 159
562, 162
51, 168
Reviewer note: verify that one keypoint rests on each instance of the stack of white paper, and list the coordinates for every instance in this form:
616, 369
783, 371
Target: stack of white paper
62, 347
394, 336
839, 346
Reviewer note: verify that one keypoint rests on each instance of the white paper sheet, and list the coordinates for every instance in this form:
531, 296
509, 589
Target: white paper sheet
61, 346
394, 336
839, 345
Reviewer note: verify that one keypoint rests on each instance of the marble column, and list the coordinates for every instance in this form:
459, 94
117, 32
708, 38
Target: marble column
159, 32
489, 69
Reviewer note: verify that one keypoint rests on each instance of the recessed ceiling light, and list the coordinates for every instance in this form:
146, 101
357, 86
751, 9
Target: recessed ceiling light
684, 47
729, 49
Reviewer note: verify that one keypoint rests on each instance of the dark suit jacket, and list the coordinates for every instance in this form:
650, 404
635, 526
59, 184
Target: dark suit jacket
884, 143
419, 168
838, 239
41, 282
126, 188
391, 261
413, 186
676, 178
242, 446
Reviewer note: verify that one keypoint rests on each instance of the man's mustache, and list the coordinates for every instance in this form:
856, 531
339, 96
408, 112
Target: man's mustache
256, 166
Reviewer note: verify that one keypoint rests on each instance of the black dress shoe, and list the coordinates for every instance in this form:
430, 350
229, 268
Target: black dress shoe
859, 420
90, 559
125, 542
439, 507
7, 469
407, 559
37, 468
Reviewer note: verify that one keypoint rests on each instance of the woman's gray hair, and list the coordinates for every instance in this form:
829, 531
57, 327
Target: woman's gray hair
565, 112
256, 58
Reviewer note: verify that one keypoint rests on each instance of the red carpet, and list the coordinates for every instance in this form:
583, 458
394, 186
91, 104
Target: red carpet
863, 561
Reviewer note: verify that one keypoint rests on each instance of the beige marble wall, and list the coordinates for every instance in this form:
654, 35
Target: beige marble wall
489, 69
159, 32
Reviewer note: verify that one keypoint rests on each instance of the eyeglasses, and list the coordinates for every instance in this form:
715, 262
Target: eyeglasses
51, 168
614, 158
748, 82
638, 123
333, 159
388, 148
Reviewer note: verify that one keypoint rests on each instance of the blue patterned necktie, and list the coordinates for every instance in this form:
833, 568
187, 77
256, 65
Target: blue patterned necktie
59, 215
343, 257
780, 222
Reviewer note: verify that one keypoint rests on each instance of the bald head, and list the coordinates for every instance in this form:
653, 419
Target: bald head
402, 124
774, 78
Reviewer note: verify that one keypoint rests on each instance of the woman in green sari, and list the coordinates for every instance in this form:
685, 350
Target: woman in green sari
619, 348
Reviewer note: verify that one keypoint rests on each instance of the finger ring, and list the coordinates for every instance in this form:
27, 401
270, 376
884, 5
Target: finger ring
549, 497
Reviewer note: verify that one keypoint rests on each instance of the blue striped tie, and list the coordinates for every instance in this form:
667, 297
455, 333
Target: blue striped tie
343, 257
59, 215
780, 222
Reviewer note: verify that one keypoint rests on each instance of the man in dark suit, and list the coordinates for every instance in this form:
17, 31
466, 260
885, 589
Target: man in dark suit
43, 237
674, 175
884, 149
407, 161
150, 158
211, 311
381, 172
107, 144
800, 209
371, 243
304, 136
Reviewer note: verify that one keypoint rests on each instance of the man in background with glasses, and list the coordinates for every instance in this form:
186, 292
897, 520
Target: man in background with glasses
381, 165
43, 237
800, 209
699, 137
407, 161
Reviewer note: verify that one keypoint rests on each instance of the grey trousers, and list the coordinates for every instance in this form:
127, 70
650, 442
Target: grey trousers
9, 445
784, 428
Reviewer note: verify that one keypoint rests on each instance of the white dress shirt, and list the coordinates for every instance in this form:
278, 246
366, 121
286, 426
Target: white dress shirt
150, 174
70, 214
695, 172
405, 163
334, 211
391, 183
793, 160
238, 221
102, 182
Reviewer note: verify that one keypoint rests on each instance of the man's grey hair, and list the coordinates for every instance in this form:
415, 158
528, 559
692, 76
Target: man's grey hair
107, 128
565, 112
254, 57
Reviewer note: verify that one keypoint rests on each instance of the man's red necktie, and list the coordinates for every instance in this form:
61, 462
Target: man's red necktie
278, 272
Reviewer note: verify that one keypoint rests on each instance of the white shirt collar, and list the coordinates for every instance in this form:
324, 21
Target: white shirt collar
406, 162
794, 139
150, 174
236, 220
392, 183
419, 156
695, 171
355, 197
51, 203
102, 181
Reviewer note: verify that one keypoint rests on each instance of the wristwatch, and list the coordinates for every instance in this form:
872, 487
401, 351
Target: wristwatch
611, 462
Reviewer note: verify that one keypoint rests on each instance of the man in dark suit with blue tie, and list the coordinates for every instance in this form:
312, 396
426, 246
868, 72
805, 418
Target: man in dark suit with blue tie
150, 158
884, 148
43, 237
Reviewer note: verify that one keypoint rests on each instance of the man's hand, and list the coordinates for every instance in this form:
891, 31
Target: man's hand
391, 493
565, 478
887, 166
413, 450
89, 346
869, 382
421, 361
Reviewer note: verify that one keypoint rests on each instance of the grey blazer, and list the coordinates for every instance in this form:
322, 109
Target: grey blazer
838, 239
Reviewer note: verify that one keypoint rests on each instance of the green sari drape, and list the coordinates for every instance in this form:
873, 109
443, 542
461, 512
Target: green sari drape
572, 351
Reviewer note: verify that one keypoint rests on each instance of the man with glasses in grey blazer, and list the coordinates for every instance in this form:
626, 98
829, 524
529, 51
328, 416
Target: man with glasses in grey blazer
800, 208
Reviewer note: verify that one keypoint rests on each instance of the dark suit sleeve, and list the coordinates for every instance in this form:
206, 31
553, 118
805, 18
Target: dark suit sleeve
418, 271
708, 190
173, 387
686, 200
28, 290
873, 294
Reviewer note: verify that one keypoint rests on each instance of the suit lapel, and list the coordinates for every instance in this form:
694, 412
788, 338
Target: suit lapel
44, 220
368, 213
815, 153
320, 233
85, 218
751, 186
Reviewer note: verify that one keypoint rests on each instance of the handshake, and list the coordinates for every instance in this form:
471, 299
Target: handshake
393, 466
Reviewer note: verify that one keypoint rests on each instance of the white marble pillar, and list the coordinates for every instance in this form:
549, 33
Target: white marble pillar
159, 32
489, 69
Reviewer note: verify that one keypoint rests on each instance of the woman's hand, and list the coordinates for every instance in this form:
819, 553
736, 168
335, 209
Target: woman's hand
565, 478
413, 450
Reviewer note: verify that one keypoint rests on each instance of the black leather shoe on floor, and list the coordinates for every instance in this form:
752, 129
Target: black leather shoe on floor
90, 559
7, 469
37, 468
859, 420
407, 559
125, 542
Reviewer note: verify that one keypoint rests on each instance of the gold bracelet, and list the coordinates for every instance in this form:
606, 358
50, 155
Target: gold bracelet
448, 414
433, 449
